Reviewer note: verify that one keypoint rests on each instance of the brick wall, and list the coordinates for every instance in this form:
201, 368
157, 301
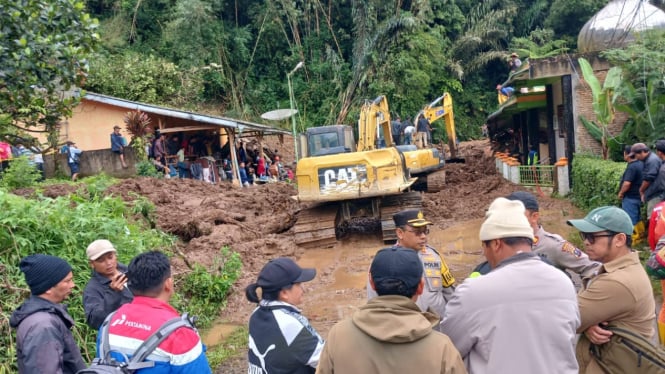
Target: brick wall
583, 99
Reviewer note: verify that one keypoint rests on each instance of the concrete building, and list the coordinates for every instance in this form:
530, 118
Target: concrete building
543, 114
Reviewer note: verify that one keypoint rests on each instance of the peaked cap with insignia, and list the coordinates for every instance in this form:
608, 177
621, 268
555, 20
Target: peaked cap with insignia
410, 217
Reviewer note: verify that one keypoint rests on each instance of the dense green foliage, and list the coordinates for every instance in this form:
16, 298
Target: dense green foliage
596, 181
147, 169
64, 226
20, 174
235, 55
44, 47
643, 88
206, 289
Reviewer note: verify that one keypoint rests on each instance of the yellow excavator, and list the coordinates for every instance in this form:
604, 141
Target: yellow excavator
442, 107
358, 187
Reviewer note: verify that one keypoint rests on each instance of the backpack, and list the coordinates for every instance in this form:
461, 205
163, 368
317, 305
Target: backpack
629, 352
76, 157
106, 364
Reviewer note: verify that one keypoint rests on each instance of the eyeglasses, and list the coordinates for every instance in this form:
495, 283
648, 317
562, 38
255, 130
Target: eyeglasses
591, 237
419, 232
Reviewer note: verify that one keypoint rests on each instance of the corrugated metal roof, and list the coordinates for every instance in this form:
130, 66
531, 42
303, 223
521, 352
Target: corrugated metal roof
240, 125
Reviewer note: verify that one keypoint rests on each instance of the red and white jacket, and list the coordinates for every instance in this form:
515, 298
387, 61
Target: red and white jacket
180, 352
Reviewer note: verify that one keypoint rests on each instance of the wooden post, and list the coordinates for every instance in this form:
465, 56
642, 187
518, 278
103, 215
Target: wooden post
260, 138
234, 159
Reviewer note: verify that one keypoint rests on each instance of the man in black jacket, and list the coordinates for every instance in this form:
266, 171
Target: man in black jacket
107, 289
44, 341
649, 190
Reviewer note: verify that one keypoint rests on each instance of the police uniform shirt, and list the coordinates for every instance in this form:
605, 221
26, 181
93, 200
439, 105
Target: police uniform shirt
439, 282
562, 254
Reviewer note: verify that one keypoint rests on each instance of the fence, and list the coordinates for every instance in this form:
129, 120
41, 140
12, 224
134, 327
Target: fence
536, 175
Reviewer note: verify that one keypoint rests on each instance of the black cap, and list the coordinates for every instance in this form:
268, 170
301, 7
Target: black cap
282, 272
43, 272
530, 202
411, 217
637, 148
397, 263
660, 145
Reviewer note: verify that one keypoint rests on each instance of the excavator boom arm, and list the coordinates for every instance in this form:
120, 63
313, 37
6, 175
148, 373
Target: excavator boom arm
374, 125
442, 107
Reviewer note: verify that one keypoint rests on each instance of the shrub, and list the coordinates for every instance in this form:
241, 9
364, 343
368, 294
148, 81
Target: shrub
205, 290
62, 227
147, 169
20, 174
595, 181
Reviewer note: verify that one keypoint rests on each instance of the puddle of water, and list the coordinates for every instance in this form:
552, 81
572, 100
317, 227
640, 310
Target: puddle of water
342, 270
218, 333
460, 246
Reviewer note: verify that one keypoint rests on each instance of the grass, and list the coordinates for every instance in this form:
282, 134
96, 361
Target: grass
233, 346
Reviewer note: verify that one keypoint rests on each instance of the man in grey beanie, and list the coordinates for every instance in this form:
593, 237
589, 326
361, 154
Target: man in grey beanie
44, 341
496, 321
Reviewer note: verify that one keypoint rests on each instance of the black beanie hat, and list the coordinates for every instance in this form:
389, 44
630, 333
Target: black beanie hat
43, 272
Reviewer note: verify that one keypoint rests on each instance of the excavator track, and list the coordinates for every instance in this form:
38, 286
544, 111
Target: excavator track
393, 204
315, 227
436, 181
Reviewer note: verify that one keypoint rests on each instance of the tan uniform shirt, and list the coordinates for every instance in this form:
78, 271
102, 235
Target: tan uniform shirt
620, 294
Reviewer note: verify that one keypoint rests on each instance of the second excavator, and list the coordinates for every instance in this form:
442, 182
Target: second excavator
442, 107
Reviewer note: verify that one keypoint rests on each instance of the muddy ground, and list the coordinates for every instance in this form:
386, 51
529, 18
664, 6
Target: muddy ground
256, 222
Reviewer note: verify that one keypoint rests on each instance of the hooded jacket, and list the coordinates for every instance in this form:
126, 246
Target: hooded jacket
389, 334
44, 341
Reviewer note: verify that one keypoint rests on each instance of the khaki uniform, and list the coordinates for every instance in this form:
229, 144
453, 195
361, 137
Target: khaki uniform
438, 282
562, 254
620, 294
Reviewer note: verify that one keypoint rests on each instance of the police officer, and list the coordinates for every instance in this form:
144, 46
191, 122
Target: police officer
412, 230
551, 248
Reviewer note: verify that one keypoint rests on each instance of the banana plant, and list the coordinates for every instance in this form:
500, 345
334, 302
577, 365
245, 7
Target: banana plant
604, 98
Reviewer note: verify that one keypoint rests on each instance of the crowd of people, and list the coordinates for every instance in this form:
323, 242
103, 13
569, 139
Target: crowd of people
519, 312
201, 157
197, 156
404, 132
125, 303
32, 154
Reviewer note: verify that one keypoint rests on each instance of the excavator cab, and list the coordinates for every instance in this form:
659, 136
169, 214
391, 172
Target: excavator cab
327, 140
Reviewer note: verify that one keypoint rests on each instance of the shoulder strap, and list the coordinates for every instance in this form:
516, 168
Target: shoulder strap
104, 347
153, 341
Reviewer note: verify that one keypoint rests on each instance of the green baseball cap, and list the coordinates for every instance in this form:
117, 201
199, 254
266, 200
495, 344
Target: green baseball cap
605, 218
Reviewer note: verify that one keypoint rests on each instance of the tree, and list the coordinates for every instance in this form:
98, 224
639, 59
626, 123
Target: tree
566, 17
603, 102
43, 49
642, 93
539, 44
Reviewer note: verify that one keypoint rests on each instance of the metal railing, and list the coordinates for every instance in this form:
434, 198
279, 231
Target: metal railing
536, 175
